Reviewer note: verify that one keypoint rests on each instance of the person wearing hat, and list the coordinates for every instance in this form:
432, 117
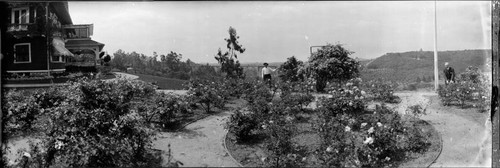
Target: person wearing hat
449, 74
266, 73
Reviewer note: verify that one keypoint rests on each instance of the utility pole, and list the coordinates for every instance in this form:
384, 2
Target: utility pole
436, 77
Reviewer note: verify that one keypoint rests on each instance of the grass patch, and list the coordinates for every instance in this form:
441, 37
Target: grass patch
163, 83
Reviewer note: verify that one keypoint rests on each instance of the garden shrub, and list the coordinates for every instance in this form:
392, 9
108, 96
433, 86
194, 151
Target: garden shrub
282, 152
470, 86
164, 108
257, 92
371, 140
381, 91
346, 99
208, 94
93, 124
242, 125
331, 63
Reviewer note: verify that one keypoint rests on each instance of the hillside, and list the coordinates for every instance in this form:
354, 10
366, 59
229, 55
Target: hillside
408, 66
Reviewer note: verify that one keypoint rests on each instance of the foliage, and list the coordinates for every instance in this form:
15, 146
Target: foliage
416, 110
330, 64
290, 70
93, 124
229, 65
379, 139
470, 86
381, 91
204, 72
168, 66
207, 93
165, 108
348, 98
282, 152
242, 125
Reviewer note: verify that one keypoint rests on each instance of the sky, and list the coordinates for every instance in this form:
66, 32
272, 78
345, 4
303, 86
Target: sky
272, 31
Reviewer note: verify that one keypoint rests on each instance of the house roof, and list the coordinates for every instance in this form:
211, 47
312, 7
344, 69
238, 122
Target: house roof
62, 11
84, 42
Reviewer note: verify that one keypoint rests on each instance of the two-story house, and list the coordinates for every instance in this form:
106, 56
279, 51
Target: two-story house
36, 38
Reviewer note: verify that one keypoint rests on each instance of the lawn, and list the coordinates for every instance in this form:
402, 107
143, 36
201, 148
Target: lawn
163, 83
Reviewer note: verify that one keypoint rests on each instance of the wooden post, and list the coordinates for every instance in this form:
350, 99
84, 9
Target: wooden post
436, 77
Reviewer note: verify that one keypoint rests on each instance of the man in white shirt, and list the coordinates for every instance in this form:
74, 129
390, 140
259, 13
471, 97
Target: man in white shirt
266, 73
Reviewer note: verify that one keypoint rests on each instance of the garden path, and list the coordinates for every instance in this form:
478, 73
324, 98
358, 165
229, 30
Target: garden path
466, 133
126, 75
199, 144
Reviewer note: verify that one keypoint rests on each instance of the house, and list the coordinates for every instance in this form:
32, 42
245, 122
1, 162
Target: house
40, 37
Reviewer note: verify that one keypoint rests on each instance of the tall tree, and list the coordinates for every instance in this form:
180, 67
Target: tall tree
229, 59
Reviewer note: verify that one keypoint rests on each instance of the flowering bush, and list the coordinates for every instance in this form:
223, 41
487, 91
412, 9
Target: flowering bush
165, 108
381, 91
470, 86
259, 91
374, 140
346, 99
242, 125
93, 124
331, 63
207, 93
282, 152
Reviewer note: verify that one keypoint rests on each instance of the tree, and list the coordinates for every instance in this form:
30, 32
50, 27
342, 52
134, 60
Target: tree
331, 64
418, 80
290, 70
229, 65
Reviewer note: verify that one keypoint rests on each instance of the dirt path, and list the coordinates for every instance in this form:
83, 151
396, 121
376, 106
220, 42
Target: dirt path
125, 75
199, 144
466, 137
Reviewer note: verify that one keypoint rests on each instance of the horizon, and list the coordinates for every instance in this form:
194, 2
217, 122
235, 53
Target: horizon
274, 31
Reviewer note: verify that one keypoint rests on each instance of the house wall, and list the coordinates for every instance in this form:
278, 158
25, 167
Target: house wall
35, 35
38, 55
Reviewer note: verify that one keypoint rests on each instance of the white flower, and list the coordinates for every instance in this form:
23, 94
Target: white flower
356, 98
371, 130
350, 103
349, 84
347, 128
368, 140
264, 126
271, 122
26, 154
263, 159
363, 92
304, 159
330, 96
58, 145
387, 158
329, 149
379, 124
361, 97
363, 124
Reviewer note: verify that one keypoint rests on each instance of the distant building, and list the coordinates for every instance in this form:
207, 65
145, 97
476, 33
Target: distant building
40, 38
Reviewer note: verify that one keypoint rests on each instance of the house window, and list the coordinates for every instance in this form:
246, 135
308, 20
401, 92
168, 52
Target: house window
20, 16
22, 53
57, 58
82, 33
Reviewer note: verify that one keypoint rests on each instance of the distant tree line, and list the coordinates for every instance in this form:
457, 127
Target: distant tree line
169, 65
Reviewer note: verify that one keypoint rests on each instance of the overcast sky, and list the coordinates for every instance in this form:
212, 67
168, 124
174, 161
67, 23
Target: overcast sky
274, 31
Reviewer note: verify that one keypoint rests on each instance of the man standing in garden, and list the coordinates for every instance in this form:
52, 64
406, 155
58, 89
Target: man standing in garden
266, 73
449, 74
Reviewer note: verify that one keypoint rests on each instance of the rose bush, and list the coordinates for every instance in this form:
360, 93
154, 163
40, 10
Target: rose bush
471, 86
207, 94
92, 124
381, 91
375, 140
